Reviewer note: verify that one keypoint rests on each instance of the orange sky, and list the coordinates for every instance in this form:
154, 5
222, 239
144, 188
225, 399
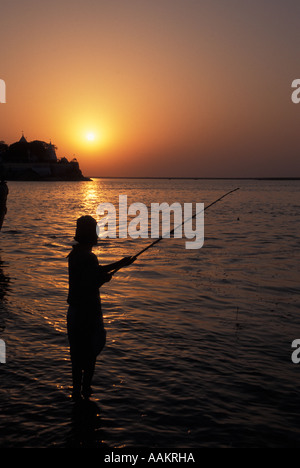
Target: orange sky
169, 88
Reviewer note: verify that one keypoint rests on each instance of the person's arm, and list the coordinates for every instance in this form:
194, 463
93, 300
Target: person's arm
126, 261
93, 275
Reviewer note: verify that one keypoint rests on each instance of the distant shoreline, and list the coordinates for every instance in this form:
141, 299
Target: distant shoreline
89, 178
197, 178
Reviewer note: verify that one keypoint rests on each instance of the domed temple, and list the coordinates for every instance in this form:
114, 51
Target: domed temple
36, 160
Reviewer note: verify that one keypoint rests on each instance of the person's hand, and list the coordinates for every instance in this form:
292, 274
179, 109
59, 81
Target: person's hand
126, 261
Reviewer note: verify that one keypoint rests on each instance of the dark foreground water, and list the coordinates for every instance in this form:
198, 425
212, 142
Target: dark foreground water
199, 341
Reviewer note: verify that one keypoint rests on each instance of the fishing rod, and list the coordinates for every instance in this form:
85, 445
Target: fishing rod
172, 231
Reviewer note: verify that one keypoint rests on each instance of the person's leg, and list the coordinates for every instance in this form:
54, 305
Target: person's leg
77, 379
88, 373
75, 352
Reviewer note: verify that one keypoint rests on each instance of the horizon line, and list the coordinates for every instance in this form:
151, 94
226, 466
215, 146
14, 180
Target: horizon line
193, 178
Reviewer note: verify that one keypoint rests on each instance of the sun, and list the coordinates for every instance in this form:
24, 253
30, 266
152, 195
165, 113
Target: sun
90, 136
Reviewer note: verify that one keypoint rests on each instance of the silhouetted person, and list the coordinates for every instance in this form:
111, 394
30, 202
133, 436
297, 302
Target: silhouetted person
3, 200
86, 332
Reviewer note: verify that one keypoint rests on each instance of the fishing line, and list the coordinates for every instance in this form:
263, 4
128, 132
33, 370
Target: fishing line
172, 231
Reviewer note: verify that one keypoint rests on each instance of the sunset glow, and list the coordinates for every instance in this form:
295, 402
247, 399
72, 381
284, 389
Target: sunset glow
155, 88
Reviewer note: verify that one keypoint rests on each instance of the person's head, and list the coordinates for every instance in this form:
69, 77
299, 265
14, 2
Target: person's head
86, 230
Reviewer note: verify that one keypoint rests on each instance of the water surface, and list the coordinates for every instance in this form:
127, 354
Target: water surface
199, 341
